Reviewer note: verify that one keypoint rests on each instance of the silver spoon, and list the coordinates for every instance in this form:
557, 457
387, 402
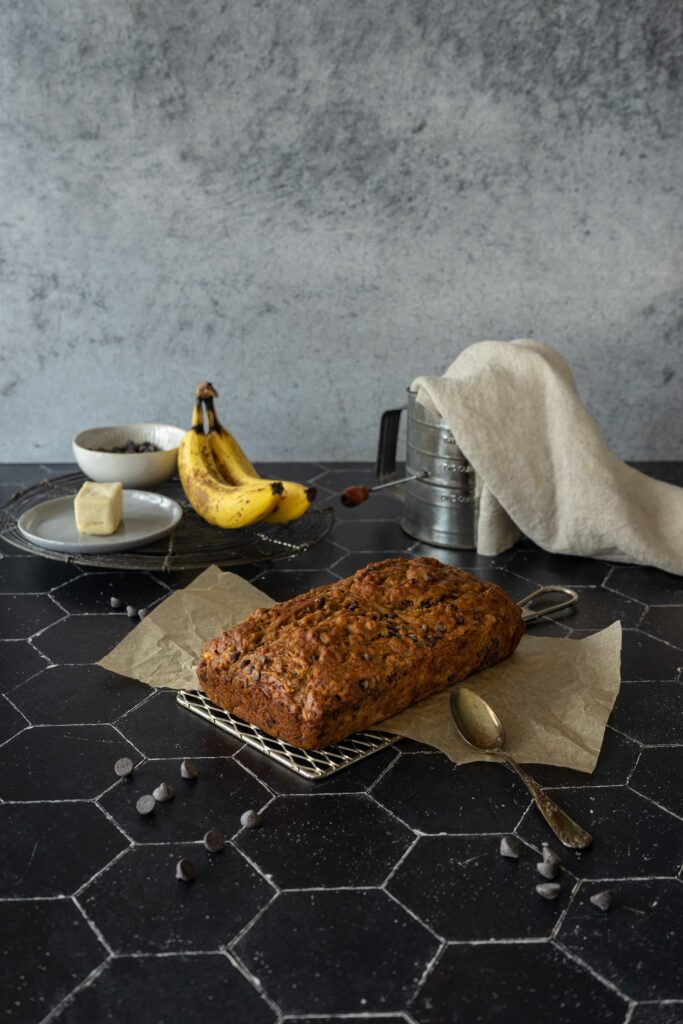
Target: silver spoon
481, 729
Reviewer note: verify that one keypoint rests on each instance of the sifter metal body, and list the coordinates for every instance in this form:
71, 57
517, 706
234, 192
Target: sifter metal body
440, 508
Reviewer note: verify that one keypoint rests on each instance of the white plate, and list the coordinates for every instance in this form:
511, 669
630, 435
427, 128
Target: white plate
146, 517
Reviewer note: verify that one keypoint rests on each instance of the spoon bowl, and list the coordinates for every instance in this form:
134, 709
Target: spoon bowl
476, 721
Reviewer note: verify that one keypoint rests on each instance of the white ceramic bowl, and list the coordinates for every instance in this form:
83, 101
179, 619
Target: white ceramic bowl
133, 469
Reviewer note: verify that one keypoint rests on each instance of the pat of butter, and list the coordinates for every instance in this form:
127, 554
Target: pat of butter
99, 508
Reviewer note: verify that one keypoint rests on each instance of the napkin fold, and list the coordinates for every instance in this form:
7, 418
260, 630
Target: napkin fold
542, 465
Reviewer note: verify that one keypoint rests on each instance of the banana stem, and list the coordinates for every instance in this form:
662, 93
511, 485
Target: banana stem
214, 425
198, 417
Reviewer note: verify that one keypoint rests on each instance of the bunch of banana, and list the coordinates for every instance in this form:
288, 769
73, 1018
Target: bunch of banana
235, 468
220, 503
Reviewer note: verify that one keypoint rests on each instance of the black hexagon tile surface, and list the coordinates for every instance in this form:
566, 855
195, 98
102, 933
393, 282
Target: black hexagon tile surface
23, 615
93, 591
150, 990
82, 639
619, 849
378, 894
141, 907
161, 728
75, 694
636, 944
11, 721
431, 794
47, 949
532, 982
42, 852
465, 890
326, 841
341, 932
33, 575
18, 661
659, 774
67, 762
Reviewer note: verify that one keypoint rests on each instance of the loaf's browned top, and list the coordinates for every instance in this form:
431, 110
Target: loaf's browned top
344, 656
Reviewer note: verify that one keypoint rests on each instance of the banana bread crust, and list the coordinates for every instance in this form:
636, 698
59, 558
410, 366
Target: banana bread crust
347, 655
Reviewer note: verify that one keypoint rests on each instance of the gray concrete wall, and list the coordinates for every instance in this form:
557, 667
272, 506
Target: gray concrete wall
311, 202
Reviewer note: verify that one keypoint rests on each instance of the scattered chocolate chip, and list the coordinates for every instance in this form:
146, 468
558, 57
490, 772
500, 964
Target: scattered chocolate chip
549, 855
123, 767
185, 871
234, 656
548, 890
250, 819
188, 769
145, 804
352, 605
115, 602
510, 846
320, 602
143, 613
363, 683
459, 620
163, 792
214, 841
424, 627
547, 868
130, 611
602, 900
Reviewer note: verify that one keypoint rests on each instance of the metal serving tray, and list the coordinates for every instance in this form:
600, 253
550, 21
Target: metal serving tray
311, 764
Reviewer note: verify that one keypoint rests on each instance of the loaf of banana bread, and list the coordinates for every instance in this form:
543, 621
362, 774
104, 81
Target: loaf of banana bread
344, 656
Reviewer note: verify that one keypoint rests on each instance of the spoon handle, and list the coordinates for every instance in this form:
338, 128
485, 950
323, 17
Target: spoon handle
564, 827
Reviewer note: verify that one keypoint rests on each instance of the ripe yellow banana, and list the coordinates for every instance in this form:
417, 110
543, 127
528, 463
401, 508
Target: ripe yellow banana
234, 466
221, 504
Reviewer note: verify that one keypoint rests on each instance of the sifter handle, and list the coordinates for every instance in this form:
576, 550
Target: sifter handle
386, 448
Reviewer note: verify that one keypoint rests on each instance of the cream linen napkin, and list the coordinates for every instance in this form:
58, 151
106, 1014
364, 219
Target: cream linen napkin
542, 465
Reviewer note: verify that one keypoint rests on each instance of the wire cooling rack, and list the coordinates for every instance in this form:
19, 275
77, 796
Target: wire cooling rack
194, 544
312, 764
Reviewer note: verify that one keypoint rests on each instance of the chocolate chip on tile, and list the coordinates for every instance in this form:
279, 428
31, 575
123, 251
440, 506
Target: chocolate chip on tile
143, 613
250, 819
123, 767
185, 871
188, 769
602, 900
115, 602
510, 846
163, 792
548, 890
131, 612
145, 804
549, 856
548, 868
214, 841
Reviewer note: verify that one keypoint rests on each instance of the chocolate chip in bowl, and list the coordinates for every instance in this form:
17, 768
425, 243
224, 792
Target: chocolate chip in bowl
140, 455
